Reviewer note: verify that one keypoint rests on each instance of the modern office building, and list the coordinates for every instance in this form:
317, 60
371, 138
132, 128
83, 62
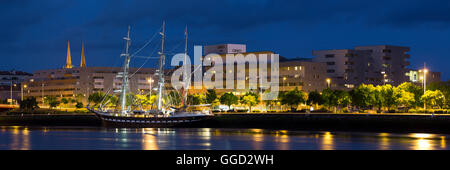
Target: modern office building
382, 64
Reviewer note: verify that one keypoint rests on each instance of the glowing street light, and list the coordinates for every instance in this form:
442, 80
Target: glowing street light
11, 93
21, 90
328, 82
150, 82
425, 71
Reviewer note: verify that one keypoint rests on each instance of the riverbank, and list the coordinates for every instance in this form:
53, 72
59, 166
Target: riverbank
439, 123
76, 119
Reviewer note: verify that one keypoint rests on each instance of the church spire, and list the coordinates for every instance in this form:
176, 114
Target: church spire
69, 59
83, 60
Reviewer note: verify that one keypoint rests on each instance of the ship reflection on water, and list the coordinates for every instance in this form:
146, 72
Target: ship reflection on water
88, 138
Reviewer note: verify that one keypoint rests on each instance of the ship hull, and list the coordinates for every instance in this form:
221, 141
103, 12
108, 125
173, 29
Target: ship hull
152, 122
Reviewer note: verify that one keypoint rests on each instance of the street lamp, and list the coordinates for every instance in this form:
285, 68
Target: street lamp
42, 94
385, 80
11, 94
21, 90
328, 82
425, 71
150, 82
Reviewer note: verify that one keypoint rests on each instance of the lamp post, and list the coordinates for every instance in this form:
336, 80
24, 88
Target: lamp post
150, 82
42, 90
21, 91
425, 71
328, 82
11, 93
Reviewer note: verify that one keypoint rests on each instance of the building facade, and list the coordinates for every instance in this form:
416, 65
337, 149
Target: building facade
11, 85
305, 75
382, 64
417, 77
80, 82
83, 81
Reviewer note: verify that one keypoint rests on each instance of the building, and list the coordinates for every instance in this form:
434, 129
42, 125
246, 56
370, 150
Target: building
11, 83
377, 65
305, 75
14, 77
225, 49
80, 82
417, 76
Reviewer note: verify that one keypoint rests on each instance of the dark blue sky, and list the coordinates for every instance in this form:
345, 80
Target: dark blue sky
34, 33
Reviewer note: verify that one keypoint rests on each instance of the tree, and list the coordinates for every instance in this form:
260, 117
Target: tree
96, 98
270, 103
79, 105
328, 98
250, 99
335, 98
195, 99
444, 87
342, 98
363, 96
228, 99
64, 101
389, 96
131, 99
144, 100
211, 96
315, 98
51, 101
79, 97
72, 100
404, 98
175, 98
293, 98
215, 103
110, 100
29, 103
434, 98
379, 97
416, 90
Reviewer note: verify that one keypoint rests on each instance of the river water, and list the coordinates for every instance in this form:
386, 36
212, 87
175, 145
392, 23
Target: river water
98, 138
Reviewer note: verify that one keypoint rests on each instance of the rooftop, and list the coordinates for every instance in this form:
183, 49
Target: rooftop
13, 72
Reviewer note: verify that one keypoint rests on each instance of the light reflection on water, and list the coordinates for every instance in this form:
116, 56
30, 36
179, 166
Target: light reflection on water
87, 138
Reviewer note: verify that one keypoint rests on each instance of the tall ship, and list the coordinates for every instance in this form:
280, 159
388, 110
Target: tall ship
163, 113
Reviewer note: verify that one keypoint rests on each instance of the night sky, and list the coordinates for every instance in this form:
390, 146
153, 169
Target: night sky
34, 33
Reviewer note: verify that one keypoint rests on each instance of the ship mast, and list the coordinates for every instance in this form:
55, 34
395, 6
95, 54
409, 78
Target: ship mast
126, 67
161, 69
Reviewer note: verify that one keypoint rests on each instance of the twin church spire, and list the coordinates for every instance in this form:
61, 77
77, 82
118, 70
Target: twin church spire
69, 58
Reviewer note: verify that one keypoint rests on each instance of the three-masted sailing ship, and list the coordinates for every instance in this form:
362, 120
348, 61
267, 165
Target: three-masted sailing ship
163, 116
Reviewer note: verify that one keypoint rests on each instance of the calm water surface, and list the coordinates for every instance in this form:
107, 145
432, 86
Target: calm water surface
87, 138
